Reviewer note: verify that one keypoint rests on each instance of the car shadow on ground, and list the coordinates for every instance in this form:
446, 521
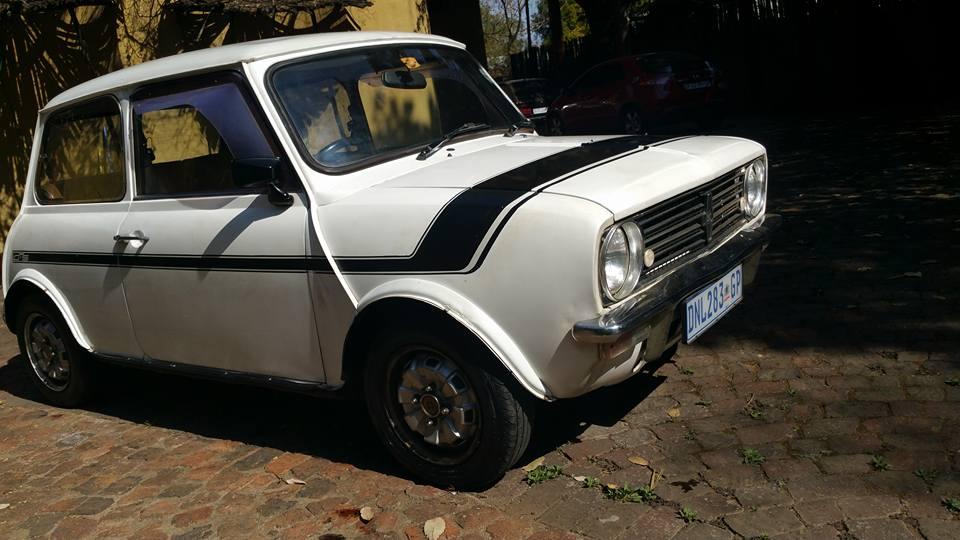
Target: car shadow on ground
333, 429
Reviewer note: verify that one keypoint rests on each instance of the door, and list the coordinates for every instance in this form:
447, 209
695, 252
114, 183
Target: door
78, 199
217, 273
593, 99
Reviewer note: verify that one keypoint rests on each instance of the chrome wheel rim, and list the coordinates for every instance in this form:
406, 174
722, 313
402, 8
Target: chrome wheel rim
632, 122
437, 402
47, 352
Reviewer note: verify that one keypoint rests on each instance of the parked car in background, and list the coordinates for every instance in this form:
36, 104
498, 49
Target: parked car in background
631, 93
532, 96
367, 213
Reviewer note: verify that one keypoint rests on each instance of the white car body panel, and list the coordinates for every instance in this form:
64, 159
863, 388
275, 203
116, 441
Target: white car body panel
528, 275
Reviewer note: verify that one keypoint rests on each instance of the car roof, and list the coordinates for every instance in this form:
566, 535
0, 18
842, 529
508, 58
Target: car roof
232, 54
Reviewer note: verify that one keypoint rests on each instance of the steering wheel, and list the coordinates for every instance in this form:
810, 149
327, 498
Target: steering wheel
331, 148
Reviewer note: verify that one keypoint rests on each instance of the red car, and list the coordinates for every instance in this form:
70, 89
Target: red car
628, 94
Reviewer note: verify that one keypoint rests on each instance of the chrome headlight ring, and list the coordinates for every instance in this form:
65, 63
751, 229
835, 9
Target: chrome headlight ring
755, 187
621, 260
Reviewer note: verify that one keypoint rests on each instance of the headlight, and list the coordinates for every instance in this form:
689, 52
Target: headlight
755, 187
620, 260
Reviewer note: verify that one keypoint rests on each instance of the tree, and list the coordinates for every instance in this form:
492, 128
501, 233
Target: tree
608, 22
502, 24
560, 20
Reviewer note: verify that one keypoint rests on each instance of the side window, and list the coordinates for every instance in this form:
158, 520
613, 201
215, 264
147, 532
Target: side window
187, 141
81, 155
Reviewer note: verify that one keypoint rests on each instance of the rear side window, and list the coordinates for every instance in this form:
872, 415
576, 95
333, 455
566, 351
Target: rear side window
187, 141
81, 156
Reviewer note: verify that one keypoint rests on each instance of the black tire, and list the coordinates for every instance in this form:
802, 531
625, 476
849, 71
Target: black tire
554, 126
632, 121
501, 430
38, 312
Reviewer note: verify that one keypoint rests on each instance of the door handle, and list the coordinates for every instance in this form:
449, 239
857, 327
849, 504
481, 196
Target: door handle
136, 236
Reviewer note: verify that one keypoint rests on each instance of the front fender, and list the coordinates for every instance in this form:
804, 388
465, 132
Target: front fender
471, 317
37, 279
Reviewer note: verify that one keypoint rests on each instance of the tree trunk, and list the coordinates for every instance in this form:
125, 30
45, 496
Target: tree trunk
556, 34
608, 24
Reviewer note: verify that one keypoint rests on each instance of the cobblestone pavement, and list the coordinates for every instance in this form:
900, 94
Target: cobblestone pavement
825, 406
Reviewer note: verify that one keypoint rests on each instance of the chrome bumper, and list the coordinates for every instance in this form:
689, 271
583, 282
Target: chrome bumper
667, 293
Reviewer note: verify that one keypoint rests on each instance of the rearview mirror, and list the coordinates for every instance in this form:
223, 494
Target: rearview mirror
254, 172
403, 79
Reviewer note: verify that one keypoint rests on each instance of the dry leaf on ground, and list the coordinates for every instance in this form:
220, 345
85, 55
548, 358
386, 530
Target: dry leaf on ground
533, 464
366, 514
433, 528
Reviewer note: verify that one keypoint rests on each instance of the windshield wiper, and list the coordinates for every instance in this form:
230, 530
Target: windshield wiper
517, 126
432, 148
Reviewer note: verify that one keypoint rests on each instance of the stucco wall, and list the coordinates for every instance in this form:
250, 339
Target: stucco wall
42, 53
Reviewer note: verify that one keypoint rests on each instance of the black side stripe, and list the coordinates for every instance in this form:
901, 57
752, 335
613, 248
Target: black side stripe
292, 264
457, 233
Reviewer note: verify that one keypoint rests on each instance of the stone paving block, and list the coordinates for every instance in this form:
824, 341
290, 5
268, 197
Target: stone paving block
882, 529
661, 522
939, 529
813, 488
846, 464
789, 468
768, 522
762, 496
703, 531
825, 427
869, 507
754, 435
824, 532
818, 513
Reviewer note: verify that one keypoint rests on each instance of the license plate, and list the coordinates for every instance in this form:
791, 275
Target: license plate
696, 85
539, 110
707, 306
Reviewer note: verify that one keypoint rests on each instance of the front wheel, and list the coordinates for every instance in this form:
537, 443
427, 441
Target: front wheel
445, 407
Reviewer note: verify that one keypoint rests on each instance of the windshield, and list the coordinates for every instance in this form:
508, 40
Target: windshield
363, 105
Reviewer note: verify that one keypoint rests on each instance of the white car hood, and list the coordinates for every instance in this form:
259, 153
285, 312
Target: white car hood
621, 181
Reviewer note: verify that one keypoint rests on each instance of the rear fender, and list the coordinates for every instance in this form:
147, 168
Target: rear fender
35, 278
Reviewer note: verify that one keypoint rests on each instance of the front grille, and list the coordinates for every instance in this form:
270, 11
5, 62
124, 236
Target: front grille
691, 222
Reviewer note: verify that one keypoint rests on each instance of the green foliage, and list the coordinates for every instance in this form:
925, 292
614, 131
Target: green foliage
590, 482
751, 456
687, 514
572, 17
927, 475
543, 473
879, 463
625, 493
952, 504
686, 371
953, 381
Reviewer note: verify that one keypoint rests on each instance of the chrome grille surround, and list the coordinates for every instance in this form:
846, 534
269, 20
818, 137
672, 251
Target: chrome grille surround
693, 222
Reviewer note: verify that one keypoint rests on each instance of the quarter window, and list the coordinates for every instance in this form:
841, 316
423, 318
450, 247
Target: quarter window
81, 156
187, 141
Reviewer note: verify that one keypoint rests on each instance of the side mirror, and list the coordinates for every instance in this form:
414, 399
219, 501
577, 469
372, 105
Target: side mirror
254, 172
403, 79
261, 172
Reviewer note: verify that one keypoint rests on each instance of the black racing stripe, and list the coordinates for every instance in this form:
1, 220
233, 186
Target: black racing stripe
448, 246
457, 233
177, 262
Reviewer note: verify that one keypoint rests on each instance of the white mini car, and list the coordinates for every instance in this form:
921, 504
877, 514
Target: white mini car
370, 211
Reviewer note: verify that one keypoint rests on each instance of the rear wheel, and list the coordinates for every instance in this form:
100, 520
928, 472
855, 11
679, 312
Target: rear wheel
445, 407
632, 121
554, 125
58, 366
